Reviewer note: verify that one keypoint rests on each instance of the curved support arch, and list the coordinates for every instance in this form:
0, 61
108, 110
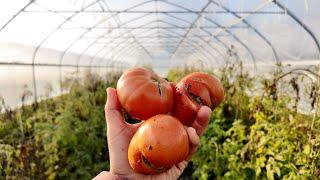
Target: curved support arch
168, 31
104, 35
119, 52
33, 68
203, 53
186, 48
199, 36
118, 21
111, 41
204, 41
130, 51
131, 48
251, 27
95, 25
192, 43
189, 29
120, 43
304, 26
229, 32
17, 14
139, 33
237, 39
100, 37
59, 27
105, 46
210, 45
199, 48
191, 25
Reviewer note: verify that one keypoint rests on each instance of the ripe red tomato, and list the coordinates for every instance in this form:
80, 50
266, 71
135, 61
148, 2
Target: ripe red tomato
192, 92
159, 143
143, 94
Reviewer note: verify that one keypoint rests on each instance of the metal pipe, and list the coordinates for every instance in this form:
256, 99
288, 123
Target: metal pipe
297, 20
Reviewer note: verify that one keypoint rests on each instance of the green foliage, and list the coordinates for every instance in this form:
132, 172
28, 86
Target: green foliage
63, 138
174, 75
255, 135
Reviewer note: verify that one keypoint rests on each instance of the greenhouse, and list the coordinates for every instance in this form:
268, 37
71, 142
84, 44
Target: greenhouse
241, 76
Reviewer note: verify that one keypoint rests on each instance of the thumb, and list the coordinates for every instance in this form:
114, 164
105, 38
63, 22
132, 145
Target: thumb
113, 114
202, 120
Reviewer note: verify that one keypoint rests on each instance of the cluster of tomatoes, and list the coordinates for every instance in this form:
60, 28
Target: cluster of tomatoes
162, 141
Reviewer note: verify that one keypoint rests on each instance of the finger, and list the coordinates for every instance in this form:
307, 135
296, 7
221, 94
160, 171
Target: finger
194, 141
193, 136
182, 165
202, 120
192, 150
112, 99
113, 113
175, 171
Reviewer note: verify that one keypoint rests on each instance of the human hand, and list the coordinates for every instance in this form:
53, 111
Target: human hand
120, 133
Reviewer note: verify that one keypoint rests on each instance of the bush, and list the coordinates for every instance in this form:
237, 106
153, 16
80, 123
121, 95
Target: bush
62, 138
253, 134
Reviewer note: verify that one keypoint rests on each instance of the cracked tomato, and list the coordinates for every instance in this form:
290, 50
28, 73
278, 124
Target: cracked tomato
143, 94
160, 142
192, 92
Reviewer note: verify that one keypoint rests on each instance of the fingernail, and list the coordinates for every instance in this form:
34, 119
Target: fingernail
206, 107
192, 129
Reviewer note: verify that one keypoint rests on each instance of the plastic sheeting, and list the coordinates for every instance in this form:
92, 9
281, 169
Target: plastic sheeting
44, 41
95, 32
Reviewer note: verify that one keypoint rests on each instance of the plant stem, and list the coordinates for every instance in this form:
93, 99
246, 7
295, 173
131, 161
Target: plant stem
317, 100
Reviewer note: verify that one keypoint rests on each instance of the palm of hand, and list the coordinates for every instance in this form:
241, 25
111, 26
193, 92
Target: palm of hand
120, 133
